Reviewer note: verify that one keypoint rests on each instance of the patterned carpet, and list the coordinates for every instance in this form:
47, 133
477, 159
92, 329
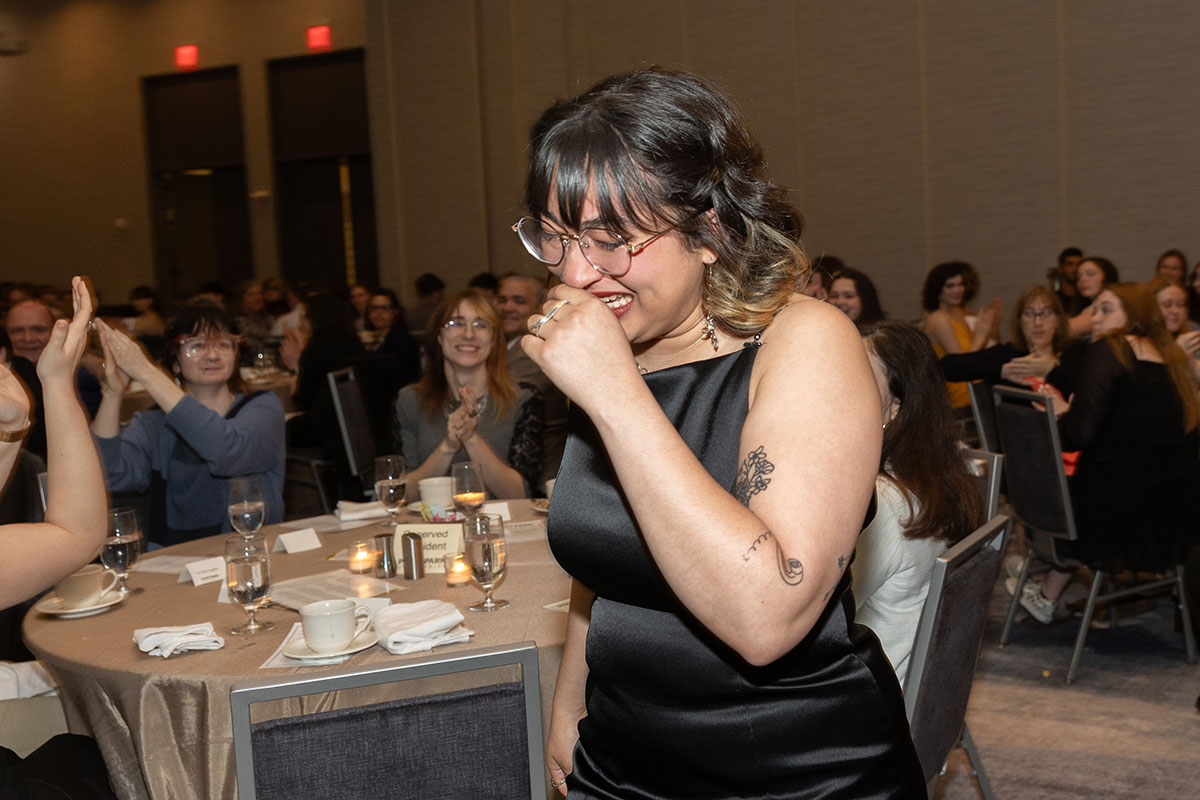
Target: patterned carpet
1127, 728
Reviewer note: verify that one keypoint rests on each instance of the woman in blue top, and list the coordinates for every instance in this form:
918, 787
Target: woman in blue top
204, 431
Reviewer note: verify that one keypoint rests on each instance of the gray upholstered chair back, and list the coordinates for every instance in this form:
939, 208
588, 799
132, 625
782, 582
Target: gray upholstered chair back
352, 419
1037, 484
947, 643
984, 413
476, 742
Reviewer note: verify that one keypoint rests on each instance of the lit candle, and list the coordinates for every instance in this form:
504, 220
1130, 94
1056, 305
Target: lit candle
470, 499
457, 571
362, 557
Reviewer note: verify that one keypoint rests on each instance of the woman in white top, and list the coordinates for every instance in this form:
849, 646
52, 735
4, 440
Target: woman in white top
927, 499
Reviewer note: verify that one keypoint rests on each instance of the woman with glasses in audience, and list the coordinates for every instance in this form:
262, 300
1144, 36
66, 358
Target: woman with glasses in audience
1039, 334
204, 431
388, 334
711, 649
927, 498
466, 407
1133, 415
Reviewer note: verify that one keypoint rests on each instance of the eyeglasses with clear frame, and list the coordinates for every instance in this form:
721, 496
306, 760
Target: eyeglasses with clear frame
607, 251
191, 348
460, 324
1032, 314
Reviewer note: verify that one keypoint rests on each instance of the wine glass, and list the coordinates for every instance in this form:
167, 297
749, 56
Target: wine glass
391, 485
248, 576
469, 491
247, 509
483, 536
122, 547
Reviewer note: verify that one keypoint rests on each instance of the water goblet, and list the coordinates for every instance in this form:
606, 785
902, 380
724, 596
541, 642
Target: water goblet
248, 576
469, 490
391, 485
483, 537
247, 508
122, 547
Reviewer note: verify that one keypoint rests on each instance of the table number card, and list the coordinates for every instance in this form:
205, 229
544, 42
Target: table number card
297, 541
437, 539
206, 570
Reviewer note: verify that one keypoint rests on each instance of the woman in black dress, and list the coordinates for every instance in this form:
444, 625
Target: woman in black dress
1133, 415
711, 649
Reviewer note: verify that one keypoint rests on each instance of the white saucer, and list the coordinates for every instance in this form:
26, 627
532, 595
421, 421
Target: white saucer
53, 604
541, 505
298, 649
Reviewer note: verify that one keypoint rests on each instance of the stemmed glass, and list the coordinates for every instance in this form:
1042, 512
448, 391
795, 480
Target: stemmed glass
483, 536
122, 547
248, 576
469, 491
247, 509
391, 485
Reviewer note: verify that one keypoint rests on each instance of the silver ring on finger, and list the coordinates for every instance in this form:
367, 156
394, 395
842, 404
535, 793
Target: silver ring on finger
549, 315
556, 784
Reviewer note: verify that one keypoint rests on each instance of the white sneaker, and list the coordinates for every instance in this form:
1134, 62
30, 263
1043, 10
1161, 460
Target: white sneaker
1012, 567
1037, 604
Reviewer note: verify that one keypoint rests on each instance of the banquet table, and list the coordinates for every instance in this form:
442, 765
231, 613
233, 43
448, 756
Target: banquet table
163, 725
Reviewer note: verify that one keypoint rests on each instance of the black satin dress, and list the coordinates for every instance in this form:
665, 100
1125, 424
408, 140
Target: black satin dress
672, 711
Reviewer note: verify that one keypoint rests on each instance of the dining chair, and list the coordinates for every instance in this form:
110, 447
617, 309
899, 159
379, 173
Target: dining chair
987, 468
946, 647
1040, 497
476, 742
984, 414
357, 438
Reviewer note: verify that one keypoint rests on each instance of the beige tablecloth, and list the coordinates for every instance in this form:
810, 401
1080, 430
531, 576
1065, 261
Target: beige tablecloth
163, 724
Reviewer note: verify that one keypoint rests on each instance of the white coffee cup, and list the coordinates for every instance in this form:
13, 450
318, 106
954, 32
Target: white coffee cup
437, 491
86, 586
331, 625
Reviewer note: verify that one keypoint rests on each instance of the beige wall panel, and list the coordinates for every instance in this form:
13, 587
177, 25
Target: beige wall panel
994, 163
1133, 125
606, 38
441, 149
860, 90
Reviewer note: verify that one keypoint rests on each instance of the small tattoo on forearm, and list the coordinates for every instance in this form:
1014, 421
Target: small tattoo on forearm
841, 563
790, 569
750, 480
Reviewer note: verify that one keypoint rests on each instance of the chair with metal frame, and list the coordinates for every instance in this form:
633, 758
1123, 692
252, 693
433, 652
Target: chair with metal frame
946, 648
1040, 497
984, 414
477, 742
357, 437
987, 468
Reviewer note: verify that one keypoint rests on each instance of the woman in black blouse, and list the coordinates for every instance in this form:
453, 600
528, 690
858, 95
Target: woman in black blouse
1039, 334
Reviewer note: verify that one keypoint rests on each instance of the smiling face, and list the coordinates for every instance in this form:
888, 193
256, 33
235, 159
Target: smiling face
381, 312
1090, 280
1173, 302
1172, 268
844, 294
953, 292
1107, 314
659, 297
516, 301
29, 324
207, 359
467, 338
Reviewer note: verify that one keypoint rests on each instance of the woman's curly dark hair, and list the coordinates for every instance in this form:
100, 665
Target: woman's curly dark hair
937, 277
661, 149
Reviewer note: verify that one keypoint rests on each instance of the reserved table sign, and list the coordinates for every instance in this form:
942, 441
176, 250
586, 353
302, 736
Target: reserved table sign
437, 539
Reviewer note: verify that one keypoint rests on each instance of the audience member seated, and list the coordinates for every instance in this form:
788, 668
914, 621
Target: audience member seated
486, 284
36, 556
1063, 279
359, 297
1133, 416
1173, 302
293, 318
1039, 334
29, 324
948, 288
275, 298
519, 297
429, 295
1172, 265
820, 277
466, 407
1193, 292
204, 431
389, 334
927, 499
854, 294
1093, 274
149, 321
250, 313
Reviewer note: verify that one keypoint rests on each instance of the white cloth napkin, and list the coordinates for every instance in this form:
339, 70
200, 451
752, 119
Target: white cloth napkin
177, 639
347, 511
415, 627
25, 679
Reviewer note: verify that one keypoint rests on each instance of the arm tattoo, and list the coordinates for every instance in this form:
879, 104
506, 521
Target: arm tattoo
790, 569
841, 563
750, 480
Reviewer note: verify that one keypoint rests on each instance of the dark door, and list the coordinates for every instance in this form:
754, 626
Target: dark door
200, 213
325, 197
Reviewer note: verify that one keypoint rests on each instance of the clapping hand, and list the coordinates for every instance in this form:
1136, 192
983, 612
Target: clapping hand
124, 359
60, 358
463, 420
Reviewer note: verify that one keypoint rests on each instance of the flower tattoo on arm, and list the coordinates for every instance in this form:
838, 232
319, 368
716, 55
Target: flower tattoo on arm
751, 476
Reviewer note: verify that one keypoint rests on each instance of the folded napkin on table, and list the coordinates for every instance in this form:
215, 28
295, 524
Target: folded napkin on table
347, 511
178, 639
25, 679
414, 627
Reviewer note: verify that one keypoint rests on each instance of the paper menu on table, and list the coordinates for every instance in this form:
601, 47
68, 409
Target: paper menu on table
337, 584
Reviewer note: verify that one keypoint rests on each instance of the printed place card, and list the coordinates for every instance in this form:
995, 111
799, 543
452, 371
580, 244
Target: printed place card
206, 570
437, 539
297, 541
